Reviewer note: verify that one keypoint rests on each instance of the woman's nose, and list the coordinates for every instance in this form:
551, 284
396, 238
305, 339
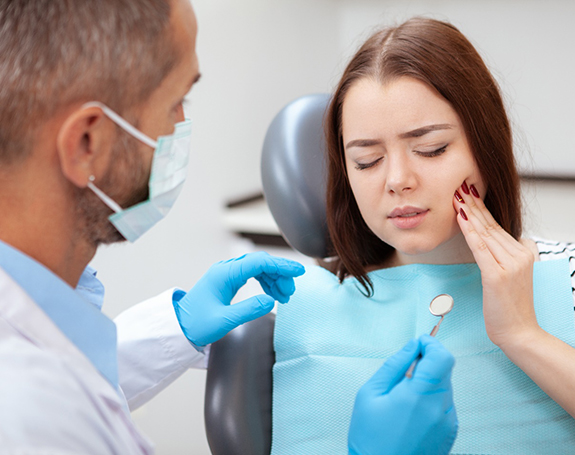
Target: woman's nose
399, 176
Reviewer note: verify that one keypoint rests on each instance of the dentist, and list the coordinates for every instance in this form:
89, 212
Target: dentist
93, 150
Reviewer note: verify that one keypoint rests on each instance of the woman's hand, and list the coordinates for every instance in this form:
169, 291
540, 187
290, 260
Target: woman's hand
507, 277
506, 271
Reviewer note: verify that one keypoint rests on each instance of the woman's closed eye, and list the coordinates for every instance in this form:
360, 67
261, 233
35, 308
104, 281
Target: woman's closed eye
432, 153
362, 166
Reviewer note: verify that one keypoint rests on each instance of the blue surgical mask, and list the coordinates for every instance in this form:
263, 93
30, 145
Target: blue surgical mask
169, 168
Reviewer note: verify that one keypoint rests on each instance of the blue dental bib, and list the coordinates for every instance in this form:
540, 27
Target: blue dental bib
330, 339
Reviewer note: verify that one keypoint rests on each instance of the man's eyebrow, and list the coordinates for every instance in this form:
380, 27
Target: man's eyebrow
362, 143
425, 129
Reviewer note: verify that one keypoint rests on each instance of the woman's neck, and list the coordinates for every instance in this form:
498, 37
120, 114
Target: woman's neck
454, 251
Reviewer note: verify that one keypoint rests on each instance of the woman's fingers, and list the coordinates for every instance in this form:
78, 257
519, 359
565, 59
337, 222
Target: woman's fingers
492, 236
481, 252
477, 204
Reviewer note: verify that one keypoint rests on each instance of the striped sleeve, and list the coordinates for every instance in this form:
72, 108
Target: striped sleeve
549, 250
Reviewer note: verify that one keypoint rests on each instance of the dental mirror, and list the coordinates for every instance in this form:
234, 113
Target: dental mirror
439, 306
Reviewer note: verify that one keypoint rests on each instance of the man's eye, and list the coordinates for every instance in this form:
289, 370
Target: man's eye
184, 103
362, 166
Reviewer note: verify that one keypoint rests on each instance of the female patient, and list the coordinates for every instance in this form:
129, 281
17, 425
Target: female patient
423, 199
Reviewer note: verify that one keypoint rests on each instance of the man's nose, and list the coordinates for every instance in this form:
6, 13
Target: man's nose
180, 117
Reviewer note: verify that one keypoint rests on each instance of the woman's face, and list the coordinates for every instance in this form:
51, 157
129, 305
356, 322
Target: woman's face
406, 154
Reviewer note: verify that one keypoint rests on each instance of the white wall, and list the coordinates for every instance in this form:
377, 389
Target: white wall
549, 210
257, 55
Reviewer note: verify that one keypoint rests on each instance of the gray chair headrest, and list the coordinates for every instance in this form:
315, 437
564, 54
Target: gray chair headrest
294, 174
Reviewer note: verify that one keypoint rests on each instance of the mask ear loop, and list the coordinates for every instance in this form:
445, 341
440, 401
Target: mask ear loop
103, 196
122, 123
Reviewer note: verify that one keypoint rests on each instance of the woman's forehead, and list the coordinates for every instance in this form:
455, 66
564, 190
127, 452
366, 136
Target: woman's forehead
394, 108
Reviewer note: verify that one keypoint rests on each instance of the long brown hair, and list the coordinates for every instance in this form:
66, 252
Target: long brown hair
437, 54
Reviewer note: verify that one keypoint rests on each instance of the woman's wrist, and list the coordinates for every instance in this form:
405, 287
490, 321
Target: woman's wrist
520, 341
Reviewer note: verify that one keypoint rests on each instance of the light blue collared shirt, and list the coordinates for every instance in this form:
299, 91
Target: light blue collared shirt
76, 312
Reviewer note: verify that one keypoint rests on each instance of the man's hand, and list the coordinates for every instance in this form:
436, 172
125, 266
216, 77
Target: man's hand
205, 313
396, 415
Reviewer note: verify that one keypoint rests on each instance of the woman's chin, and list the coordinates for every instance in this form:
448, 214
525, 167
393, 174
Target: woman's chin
415, 249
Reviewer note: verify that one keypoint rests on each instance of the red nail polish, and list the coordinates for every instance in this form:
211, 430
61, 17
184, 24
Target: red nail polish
474, 191
465, 188
463, 214
458, 197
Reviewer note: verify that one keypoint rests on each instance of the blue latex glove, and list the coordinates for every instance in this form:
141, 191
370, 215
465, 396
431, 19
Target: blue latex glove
205, 313
395, 415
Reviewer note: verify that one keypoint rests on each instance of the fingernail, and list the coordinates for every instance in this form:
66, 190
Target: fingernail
458, 197
474, 191
465, 188
463, 214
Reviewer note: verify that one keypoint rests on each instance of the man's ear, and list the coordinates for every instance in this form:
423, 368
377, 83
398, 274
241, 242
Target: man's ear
84, 144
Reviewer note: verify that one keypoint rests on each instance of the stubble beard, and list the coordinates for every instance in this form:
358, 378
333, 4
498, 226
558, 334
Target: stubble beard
126, 182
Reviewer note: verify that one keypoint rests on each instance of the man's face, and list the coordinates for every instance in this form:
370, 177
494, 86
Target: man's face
158, 115
127, 179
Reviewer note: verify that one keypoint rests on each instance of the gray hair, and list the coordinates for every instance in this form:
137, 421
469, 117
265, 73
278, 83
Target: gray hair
54, 53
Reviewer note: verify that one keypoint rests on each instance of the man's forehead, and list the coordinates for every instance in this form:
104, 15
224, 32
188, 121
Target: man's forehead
183, 19
184, 29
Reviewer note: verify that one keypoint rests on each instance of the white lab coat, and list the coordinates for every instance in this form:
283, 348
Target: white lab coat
52, 398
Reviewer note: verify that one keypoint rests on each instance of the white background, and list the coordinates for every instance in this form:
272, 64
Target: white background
257, 55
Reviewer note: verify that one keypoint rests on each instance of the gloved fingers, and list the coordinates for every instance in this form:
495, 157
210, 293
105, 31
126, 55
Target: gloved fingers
281, 288
248, 310
435, 366
285, 286
267, 283
225, 278
394, 369
252, 265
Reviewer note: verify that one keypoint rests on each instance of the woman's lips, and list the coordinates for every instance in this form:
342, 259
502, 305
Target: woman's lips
407, 217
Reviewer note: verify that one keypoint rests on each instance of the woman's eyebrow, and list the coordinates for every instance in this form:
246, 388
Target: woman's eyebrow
425, 129
362, 143
410, 134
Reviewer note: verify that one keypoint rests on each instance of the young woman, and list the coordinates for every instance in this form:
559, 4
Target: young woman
424, 198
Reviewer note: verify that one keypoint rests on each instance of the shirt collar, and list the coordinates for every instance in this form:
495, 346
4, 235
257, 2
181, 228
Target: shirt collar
76, 312
91, 288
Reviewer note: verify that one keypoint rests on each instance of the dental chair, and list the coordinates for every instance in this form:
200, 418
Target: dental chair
238, 400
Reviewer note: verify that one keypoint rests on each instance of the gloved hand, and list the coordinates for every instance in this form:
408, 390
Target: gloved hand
395, 415
205, 313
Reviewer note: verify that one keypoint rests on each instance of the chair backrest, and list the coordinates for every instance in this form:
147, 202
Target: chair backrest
293, 170
238, 400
